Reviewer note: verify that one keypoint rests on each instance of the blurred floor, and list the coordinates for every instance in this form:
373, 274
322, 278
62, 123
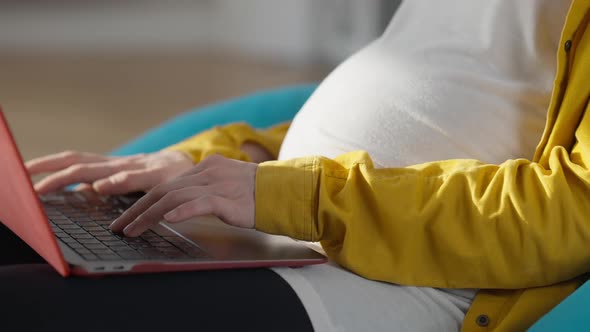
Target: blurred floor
96, 102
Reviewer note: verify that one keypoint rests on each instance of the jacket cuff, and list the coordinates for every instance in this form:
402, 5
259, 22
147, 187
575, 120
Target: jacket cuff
286, 198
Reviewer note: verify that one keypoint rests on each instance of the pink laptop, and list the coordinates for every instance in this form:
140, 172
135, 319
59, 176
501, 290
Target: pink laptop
70, 231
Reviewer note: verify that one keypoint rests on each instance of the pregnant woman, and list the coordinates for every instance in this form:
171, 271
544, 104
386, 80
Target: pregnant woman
420, 164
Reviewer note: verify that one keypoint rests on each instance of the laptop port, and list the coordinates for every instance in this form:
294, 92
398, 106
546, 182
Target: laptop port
118, 267
99, 268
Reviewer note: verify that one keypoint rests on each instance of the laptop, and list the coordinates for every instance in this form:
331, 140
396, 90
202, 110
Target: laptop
70, 231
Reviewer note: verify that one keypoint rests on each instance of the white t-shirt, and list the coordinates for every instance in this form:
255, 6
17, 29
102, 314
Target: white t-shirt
448, 79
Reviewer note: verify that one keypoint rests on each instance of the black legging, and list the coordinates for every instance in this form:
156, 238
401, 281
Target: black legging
34, 297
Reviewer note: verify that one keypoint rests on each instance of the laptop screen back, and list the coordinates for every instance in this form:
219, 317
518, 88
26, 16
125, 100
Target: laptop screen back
20, 209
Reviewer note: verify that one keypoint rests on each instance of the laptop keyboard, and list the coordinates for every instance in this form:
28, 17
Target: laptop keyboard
81, 221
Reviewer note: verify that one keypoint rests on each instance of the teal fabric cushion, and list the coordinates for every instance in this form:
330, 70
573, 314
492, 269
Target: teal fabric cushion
261, 109
572, 314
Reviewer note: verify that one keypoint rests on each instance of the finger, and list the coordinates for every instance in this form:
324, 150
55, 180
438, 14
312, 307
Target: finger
155, 213
59, 161
152, 197
204, 205
127, 181
83, 187
86, 173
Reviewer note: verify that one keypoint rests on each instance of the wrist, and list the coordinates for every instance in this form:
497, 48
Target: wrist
178, 156
256, 152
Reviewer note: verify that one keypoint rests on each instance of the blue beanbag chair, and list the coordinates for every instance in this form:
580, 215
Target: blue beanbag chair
572, 314
260, 110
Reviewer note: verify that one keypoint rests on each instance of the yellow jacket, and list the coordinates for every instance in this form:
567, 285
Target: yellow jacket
519, 231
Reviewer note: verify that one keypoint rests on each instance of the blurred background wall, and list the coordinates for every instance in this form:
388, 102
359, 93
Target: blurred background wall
89, 75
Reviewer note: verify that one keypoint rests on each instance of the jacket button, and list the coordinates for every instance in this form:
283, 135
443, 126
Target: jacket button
482, 320
568, 45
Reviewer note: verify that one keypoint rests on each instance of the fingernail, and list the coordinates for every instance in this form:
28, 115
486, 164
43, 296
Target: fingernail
102, 187
113, 223
128, 231
171, 216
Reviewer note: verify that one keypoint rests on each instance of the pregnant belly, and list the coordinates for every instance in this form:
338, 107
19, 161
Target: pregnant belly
404, 113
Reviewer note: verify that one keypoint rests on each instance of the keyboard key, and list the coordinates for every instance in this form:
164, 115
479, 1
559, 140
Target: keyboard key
151, 236
89, 241
76, 232
76, 246
80, 219
155, 241
162, 244
84, 236
118, 249
59, 223
69, 226
102, 251
133, 240
112, 242
60, 220
104, 222
93, 227
90, 257
95, 246
100, 232
82, 251
85, 224
91, 197
141, 245
76, 214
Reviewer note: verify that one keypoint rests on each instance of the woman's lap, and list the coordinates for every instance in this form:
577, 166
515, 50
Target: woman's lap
35, 297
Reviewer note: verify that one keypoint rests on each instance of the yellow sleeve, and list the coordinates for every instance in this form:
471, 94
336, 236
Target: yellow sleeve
227, 141
454, 223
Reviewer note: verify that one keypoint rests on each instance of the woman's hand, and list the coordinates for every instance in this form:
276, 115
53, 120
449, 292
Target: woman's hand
108, 175
217, 185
